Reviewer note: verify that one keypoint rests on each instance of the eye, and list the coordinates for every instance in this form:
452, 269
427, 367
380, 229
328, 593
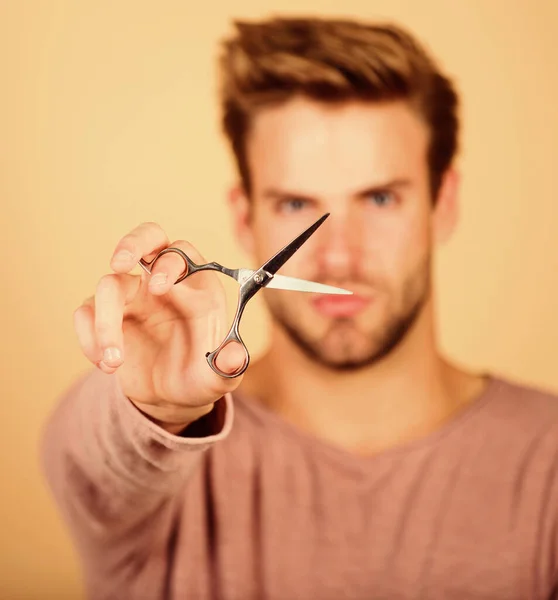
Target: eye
290, 205
381, 197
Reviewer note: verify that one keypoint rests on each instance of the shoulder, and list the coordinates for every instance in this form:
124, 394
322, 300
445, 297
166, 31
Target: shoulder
513, 393
521, 407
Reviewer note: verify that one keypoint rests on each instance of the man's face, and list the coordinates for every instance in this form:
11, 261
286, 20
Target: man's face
366, 165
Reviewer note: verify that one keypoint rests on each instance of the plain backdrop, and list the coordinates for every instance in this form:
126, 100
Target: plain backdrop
108, 118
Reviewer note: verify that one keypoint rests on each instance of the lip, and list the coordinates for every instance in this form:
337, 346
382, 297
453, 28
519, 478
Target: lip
340, 306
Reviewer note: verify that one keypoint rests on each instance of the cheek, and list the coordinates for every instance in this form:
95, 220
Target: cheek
393, 245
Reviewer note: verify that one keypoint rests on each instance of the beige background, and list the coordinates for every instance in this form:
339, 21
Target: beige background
108, 118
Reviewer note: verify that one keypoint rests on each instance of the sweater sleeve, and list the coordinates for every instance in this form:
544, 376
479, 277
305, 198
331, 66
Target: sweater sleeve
117, 479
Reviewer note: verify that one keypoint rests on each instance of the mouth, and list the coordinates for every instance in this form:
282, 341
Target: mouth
340, 306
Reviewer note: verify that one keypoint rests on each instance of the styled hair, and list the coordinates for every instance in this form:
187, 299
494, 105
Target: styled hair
333, 61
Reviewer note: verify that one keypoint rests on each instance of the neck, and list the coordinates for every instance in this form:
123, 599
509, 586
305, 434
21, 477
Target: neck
406, 395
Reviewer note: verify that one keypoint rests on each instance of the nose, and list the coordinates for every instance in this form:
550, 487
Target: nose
336, 250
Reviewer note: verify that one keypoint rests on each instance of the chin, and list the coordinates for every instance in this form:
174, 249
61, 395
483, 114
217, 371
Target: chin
334, 340
345, 343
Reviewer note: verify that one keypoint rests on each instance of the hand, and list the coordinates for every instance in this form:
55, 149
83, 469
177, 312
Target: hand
153, 335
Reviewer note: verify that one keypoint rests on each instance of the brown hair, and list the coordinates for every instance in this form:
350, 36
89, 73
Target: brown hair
333, 60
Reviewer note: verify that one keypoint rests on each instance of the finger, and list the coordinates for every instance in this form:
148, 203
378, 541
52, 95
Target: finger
169, 267
231, 358
112, 294
194, 295
84, 325
142, 242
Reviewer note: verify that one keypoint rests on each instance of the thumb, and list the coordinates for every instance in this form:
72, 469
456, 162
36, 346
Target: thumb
231, 358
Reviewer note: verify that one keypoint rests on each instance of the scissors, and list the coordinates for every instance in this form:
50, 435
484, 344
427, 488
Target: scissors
251, 282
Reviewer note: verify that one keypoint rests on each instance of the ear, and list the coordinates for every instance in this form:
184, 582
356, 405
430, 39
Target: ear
446, 211
241, 210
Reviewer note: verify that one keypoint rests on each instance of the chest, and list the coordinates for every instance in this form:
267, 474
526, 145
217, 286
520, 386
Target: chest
299, 529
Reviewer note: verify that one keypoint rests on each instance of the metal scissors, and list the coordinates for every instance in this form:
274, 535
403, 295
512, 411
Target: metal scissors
250, 283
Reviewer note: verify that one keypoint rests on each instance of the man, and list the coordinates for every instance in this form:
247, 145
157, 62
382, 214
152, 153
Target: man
352, 460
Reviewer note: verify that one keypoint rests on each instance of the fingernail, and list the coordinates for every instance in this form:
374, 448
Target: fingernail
158, 280
112, 355
124, 256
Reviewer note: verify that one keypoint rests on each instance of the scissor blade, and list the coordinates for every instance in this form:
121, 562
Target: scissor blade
280, 282
277, 261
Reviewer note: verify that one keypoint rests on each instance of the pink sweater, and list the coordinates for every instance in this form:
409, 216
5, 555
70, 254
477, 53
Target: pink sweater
252, 508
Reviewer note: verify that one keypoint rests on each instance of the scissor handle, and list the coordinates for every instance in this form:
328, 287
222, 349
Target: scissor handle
191, 267
247, 290
232, 336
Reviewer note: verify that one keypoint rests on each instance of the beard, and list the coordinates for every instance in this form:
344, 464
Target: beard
347, 345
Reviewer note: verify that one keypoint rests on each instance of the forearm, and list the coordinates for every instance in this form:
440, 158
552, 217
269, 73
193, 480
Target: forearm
109, 466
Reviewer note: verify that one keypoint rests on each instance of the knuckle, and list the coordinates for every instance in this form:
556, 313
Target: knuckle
183, 244
87, 303
107, 282
188, 248
79, 310
171, 252
152, 231
151, 225
128, 242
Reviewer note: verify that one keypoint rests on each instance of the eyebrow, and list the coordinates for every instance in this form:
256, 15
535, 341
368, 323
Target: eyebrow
278, 194
393, 184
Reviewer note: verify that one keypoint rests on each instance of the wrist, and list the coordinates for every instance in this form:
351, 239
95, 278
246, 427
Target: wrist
173, 422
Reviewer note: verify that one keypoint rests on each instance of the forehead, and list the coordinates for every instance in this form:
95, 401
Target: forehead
316, 148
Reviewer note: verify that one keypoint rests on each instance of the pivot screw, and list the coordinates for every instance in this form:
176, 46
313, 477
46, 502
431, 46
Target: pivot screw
258, 277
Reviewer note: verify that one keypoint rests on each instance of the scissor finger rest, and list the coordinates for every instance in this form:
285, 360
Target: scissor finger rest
190, 267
